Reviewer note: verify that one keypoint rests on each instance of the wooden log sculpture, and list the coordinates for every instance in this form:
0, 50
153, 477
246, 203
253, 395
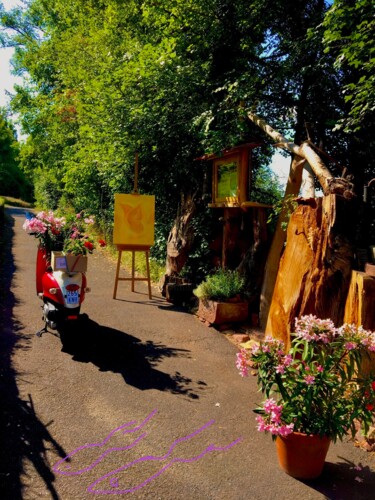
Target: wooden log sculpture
330, 185
315, 269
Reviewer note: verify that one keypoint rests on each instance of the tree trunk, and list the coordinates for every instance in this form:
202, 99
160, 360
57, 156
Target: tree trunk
253, 262
315, 269
308, 182
180, 240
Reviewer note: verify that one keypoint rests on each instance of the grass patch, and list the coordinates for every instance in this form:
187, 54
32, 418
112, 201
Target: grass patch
156, 270
15, 202
2, 205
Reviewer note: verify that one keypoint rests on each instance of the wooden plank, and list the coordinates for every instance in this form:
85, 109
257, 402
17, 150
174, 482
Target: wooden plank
360, 302
360, 309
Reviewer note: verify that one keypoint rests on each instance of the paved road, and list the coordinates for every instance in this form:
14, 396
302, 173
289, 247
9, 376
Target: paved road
147, 402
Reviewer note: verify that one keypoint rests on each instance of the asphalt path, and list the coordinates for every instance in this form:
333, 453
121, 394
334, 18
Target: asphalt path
145, 404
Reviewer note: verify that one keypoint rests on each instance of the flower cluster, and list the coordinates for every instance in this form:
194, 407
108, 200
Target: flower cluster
77, 241
47, 228
319, 382
62, 233
271, 421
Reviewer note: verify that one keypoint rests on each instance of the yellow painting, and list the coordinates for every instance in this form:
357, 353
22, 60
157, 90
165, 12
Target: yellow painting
134, 220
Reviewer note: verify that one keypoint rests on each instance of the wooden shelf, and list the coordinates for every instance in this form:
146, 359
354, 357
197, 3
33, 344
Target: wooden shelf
245, 204
223, 205
255, 204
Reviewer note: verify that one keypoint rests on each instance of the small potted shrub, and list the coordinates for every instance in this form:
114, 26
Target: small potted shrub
221, 298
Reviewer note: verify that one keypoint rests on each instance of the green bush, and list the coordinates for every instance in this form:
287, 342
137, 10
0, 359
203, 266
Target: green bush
221, 286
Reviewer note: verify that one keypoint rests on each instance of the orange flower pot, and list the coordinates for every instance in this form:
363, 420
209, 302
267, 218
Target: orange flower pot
301, 455
219, 313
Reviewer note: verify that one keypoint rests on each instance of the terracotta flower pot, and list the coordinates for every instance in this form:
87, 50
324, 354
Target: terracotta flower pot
302, 456
219, 313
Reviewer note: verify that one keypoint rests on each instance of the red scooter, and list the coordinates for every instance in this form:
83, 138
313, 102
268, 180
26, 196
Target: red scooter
62, 293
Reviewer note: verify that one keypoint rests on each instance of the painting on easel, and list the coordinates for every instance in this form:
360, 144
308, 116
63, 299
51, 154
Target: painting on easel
134, 220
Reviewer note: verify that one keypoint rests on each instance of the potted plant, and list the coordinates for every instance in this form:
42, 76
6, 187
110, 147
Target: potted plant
220, 298
315, 392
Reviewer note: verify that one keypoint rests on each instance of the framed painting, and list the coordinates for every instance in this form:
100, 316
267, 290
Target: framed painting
134, 220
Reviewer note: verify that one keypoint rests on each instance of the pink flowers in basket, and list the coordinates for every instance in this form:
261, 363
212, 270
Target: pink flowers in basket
69, 234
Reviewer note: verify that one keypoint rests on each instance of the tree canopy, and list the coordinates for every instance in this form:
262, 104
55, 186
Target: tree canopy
13, 181
173, 79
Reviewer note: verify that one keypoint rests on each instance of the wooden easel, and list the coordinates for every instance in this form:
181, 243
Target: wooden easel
133, 278
133, 249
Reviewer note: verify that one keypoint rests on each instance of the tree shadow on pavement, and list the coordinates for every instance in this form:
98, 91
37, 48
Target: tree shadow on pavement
345, 481
23, 437
116, 351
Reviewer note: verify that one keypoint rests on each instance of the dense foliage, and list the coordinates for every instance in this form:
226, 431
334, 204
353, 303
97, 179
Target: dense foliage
12, 180
172, 80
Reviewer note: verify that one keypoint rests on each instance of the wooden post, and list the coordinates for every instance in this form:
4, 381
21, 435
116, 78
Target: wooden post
360, 302
359, 309
135, 191
133, 278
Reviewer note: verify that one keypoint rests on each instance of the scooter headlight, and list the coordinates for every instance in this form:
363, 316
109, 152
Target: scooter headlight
53, 291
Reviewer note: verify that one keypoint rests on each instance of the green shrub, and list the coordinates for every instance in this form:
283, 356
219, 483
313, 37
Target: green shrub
222, 285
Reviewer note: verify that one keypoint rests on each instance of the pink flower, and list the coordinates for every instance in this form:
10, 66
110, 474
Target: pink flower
270, 406
280, 369
288, 359
261, 423
34, 225
75, 234
272, 422
350, 346
241, 363
320, 368
255, 350
285, 430
310, 379
312, 328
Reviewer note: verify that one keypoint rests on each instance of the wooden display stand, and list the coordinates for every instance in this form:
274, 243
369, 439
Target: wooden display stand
133, 278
